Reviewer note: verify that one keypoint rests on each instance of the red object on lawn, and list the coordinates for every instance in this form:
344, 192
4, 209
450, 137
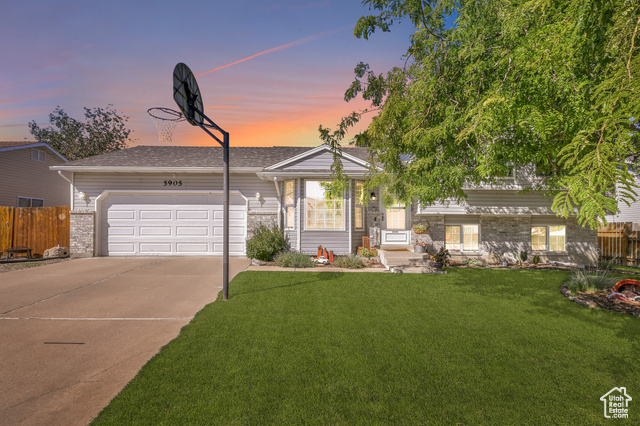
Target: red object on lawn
365, 242
622, 285
331, 256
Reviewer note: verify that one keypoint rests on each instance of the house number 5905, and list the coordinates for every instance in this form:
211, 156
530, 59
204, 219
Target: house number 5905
172, 183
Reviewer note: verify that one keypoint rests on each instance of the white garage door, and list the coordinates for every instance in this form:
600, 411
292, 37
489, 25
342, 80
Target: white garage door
170, 224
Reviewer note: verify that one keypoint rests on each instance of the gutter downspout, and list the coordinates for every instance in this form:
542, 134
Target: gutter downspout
72, 205
275, 182
298, 215
350, 221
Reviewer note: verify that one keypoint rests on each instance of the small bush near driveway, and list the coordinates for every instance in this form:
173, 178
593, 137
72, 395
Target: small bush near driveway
265, 242
293, 259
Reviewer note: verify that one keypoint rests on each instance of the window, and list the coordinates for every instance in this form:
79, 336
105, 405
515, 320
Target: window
38, 155
359, 219
289, 205
462, 237
322, 211
30, 202
552, 238
397, 216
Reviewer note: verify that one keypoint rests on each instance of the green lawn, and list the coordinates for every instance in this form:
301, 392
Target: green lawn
470, 347
633, 269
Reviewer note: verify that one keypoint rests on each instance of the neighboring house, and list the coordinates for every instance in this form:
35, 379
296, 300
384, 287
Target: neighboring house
628, 212
27, 180
158, 200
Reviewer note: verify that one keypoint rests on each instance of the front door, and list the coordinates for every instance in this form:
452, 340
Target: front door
395, 224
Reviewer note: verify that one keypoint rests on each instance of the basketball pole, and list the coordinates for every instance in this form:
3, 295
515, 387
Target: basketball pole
225, 207
225, 200
187, 95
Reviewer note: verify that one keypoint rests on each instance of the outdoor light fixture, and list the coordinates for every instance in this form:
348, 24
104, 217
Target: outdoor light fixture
258, 196
83, 196
373, 196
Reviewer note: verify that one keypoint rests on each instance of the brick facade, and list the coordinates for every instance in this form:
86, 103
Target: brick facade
500, 234
256, 217
82, 241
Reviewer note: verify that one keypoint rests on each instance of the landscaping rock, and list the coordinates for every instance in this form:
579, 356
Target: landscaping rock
56, 252
256, 262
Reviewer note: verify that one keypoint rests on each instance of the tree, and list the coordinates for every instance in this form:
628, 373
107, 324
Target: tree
553, 83
103, 131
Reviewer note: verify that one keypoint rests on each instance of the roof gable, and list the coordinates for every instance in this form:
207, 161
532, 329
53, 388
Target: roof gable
15, 145
321, 158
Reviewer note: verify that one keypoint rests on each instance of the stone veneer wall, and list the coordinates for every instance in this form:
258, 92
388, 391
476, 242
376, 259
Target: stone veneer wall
374, 221
505, 234
82, 230
256, 217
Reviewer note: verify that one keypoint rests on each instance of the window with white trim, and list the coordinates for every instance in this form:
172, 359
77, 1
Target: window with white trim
30, 202
289, 205
549, 238
462, 237
322, 210
38, 155
359, 211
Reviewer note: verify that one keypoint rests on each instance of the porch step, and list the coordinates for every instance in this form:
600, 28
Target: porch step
416, 270
405, 261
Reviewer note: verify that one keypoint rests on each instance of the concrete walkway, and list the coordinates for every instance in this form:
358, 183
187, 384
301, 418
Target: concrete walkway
75, 333
315, 269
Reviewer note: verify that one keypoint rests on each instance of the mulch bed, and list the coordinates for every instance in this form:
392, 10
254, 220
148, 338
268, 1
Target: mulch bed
600, 300
17, 265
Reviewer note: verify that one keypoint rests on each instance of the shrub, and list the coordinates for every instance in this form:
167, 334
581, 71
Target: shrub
585, 281
606, 265
442, 256
266, 241
475, 262
536, 259
349, 262
365, 252
293, 259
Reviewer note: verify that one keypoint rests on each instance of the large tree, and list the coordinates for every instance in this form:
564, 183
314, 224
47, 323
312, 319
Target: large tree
103, 131
553, 83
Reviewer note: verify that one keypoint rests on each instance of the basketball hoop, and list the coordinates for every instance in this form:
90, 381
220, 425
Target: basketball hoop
165, 119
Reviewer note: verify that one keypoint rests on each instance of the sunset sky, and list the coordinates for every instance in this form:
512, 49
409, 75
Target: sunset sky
270, 72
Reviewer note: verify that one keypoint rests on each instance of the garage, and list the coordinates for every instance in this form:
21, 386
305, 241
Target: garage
159, 223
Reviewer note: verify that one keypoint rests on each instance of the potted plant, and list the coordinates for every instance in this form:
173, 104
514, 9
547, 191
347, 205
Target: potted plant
441, 258
419, 228
420, 247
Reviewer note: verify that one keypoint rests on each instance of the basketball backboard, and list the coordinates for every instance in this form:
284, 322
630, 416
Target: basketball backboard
187, 94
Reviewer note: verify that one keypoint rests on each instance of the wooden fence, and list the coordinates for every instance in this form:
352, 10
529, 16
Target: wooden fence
38, 228
620, 243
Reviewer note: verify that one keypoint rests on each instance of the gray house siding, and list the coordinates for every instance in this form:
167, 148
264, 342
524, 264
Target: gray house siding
93, 184
628, 213
24, 177
321, 161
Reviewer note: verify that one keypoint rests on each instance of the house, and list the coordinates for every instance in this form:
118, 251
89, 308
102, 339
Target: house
628, 212
167, 200
27, 179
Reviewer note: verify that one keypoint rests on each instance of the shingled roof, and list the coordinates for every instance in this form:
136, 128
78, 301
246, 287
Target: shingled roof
199, 156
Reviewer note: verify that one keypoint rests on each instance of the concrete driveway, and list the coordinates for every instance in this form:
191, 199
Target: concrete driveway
73, 334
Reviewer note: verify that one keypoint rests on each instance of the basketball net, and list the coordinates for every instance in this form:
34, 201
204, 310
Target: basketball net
165, 120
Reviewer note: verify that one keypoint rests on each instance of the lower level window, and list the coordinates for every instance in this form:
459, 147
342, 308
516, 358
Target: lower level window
551, 237
30, 202
462, 237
